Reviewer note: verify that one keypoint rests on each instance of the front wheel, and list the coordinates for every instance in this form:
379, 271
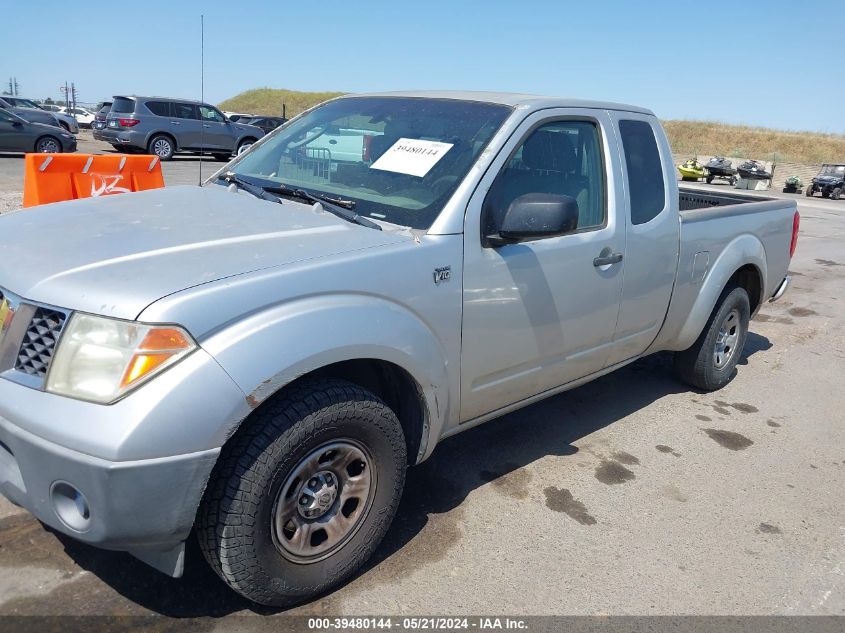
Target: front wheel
303, 493
836, 193
710, 362
244, 146
48, 145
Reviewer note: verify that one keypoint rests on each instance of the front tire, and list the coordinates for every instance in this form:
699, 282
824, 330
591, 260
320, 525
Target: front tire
836, 193
48, 145
244, 145
710, 362
303, 494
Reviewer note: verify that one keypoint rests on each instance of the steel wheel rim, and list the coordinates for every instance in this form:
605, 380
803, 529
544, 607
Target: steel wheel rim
48, 146
338, 480
726, 340
243, 148
161, 147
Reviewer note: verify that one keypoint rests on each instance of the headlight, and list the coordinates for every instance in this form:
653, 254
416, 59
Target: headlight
101, 359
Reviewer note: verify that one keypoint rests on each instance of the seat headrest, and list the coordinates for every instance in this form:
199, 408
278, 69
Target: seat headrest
552, 151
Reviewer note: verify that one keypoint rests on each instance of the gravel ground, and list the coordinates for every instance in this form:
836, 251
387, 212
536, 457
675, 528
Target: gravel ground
630, 495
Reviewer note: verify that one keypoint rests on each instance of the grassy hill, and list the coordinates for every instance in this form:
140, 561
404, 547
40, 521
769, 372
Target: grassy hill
693, 137
269, 101
708, 138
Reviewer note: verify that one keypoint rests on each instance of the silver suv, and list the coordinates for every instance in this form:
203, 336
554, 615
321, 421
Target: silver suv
163, 126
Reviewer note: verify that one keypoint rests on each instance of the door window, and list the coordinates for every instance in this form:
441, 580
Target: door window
184, 111
210, 114
645, 173
560, 157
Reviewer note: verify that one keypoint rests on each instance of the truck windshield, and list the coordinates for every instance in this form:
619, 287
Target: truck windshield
398, 159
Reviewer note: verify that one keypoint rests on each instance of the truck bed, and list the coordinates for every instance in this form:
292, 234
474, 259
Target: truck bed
718, 231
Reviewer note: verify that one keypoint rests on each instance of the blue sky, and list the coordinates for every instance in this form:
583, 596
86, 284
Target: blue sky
774, 67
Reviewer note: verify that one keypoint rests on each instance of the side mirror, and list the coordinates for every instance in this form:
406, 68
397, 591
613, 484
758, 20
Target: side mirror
17, 124
534, 216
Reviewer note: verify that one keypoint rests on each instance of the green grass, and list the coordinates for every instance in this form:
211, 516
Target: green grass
269, 101
705, 138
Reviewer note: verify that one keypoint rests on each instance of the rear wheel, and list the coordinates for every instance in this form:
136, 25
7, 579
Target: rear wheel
836, 193
162, 146
809, 192
48, 145
709, 179
303, 493
733, 180
710, 362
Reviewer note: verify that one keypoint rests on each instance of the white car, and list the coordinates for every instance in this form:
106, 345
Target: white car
84, 117
234, 116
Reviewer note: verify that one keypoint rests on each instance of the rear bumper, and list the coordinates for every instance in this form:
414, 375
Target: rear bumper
122, 136
780, 289
145, 507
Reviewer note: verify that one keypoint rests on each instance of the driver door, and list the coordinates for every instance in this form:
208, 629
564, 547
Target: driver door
539, 314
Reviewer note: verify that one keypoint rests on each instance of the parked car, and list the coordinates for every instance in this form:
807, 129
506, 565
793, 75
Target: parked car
830, 182
83, 117
257, 360
19, 135
236, 116
33, 115
266, 123
163, 127
65, 120
100, 116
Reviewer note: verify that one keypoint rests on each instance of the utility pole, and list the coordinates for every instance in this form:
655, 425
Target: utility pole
17, 87
14, 87
67, 97
73, 95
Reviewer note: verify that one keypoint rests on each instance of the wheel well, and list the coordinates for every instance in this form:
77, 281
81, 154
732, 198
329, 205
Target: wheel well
247, 139
65, 126
167, 134
748, 277
393, 385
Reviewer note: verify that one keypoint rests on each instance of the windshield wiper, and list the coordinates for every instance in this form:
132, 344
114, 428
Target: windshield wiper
341, 208
258, 192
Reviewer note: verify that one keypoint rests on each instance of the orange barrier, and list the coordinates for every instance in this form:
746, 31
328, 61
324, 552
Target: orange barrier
57, 177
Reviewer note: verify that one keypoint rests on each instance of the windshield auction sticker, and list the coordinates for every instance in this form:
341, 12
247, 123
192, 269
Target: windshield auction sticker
414, 157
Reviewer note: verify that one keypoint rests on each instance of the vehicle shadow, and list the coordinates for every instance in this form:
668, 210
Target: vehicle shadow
433, 490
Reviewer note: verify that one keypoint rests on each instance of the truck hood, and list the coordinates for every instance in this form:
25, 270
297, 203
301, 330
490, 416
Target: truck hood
116, 255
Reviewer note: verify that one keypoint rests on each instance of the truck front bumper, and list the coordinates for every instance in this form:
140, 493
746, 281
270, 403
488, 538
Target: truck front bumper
144, 507
127, 476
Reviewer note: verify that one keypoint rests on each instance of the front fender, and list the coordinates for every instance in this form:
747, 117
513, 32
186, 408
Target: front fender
274, 347
693, 302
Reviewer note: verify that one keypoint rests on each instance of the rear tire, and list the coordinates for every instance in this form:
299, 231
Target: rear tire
809, 192
710, 362
709, 179
162, 146
273, 523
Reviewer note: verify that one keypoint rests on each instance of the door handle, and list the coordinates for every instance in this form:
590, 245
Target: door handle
206, 125
605, 260
175, 123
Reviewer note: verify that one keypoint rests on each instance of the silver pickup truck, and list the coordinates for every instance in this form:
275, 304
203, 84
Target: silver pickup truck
259, 359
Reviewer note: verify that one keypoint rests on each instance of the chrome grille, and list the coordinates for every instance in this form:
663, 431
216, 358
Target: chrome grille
39, 342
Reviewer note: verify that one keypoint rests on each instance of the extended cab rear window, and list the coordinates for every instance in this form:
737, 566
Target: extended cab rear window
645, 173
122, 105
